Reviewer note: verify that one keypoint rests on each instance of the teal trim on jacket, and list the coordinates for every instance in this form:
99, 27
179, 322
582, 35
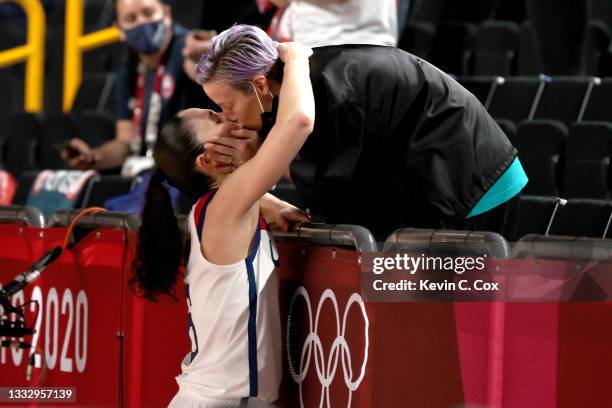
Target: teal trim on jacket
507, 186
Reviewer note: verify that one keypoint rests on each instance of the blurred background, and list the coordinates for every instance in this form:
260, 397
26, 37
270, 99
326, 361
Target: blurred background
540, 68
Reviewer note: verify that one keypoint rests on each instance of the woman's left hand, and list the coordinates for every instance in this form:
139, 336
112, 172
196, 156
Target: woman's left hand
281, 215
292, 50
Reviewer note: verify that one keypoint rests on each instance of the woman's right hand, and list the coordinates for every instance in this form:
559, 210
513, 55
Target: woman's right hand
196, 43
79, 155
292, 50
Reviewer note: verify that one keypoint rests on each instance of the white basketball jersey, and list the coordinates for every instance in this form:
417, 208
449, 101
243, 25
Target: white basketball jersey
233, 321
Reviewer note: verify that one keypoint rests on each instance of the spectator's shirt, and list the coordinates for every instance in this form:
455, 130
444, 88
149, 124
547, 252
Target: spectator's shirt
175, 89
349, 22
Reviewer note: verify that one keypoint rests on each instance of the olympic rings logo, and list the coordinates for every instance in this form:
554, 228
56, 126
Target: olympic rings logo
326, 370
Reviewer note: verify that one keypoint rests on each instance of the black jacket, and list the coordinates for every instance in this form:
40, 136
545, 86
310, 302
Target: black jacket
396, 142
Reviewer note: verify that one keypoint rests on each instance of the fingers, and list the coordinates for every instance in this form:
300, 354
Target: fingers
297, 218
224, 131
224, 141
282, 48
189, 45
219, 148
226, 169
282, 224
219, 158
229, 155
228, 126
74, 163
80, 163
234, 143
204, 35
290, 218
235, 149
224, 134
80, 145
244, 133
197, 41
290, 50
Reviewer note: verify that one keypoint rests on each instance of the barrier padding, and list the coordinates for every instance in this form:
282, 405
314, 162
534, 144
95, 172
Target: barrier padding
80, 297
119, 350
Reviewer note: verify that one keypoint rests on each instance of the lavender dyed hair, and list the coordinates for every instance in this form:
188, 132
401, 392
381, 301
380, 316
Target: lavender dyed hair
236, 56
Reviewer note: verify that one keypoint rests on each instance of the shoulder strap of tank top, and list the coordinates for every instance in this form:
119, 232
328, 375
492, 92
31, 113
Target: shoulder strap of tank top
200, 214
252, 322
200, 211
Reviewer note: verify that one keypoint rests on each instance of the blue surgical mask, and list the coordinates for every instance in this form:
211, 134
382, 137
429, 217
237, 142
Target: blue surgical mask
147, 38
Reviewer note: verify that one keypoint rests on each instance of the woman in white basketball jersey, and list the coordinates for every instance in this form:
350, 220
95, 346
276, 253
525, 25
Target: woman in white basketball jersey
230, 283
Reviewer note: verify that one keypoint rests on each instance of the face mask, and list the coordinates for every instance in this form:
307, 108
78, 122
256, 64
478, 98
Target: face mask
147, 38
267, 118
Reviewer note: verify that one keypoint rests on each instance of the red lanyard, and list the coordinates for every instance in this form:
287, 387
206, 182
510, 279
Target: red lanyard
140, 95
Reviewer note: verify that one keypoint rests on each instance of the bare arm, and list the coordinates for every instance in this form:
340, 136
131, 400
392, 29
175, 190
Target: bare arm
189, 68
112, 154
287, 174
107, 156
232, 214
294, 123
196, 43
280, 214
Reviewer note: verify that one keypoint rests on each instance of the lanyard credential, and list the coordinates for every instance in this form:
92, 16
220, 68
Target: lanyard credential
142, 157
155, 104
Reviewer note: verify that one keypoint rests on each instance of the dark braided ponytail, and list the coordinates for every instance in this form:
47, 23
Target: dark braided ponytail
161, 246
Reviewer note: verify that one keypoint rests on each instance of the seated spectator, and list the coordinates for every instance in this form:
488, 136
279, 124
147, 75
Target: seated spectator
152, 86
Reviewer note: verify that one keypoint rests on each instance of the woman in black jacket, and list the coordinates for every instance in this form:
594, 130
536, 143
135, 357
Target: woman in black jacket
396, 142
